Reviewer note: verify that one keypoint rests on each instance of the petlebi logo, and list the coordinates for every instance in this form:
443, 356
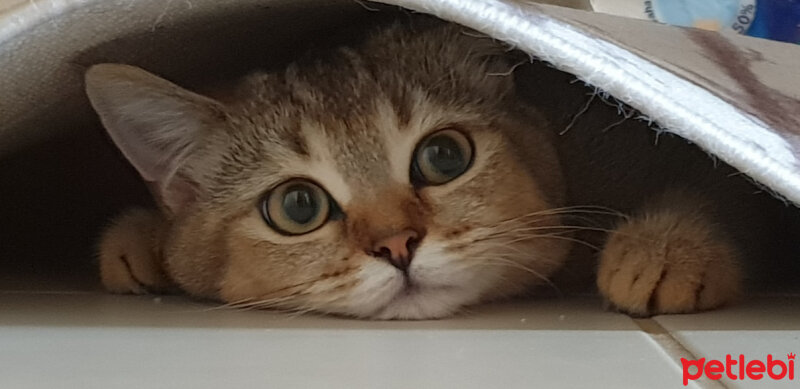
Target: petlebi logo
739, 368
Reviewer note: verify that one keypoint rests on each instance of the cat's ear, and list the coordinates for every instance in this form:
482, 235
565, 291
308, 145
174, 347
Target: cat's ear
155, 123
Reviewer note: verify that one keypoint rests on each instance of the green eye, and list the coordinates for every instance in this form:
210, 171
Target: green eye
441, 157
296, 207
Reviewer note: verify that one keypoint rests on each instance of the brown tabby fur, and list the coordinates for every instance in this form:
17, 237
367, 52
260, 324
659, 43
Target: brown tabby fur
349, 120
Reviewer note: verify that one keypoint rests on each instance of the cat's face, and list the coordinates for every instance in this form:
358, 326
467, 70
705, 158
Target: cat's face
360, 187
387, 218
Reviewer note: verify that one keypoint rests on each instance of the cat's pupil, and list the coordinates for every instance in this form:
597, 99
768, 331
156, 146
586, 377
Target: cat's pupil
300, 204
444, 154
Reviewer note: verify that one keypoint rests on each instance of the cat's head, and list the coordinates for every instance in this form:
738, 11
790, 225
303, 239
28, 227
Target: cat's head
399, 179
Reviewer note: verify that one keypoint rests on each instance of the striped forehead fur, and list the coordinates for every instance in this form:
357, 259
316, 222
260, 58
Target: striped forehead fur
357, 101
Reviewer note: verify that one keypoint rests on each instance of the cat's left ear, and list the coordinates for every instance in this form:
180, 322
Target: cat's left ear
156, 124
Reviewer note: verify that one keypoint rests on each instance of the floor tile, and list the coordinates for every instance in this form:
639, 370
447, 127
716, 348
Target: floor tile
99, 309
755, 328
100, 341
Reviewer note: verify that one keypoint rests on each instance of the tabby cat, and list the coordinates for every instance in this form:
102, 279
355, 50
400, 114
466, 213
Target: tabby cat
406, 177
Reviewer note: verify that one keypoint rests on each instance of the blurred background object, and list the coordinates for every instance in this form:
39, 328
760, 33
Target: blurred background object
770, 19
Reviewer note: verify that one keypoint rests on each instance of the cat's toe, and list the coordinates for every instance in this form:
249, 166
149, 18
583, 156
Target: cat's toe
117, 277
676, 265
129, 258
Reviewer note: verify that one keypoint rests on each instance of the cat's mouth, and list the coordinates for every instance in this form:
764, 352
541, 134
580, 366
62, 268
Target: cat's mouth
412, 288
434, 286
413, 285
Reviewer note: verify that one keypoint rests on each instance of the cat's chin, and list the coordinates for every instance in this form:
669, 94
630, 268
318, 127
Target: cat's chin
422, 303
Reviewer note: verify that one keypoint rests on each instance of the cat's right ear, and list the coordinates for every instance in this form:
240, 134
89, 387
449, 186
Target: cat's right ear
155, 123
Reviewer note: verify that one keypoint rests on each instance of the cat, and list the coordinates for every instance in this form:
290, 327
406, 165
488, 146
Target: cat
406, 177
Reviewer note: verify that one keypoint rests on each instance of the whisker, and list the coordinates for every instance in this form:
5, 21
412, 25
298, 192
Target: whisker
228, 304
581, 209
519, 266
564, 229
262, 303
498, 253
297, 285
301, 311
570, 228
547, 236
509, 237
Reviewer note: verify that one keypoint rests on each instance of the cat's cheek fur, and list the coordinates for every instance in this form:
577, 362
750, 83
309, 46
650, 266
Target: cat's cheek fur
497, 237
271, 270
194, 251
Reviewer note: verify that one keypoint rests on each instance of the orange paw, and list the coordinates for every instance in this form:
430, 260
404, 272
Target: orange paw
129, 254
668, 262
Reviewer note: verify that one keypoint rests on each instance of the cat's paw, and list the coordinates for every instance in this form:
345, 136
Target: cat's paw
668, 262
130, 255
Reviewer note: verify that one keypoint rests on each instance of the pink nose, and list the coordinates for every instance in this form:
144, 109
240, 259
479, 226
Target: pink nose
398, 249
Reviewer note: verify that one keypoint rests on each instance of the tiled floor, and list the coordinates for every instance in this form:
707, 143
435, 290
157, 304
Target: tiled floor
753, 329
91, 340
